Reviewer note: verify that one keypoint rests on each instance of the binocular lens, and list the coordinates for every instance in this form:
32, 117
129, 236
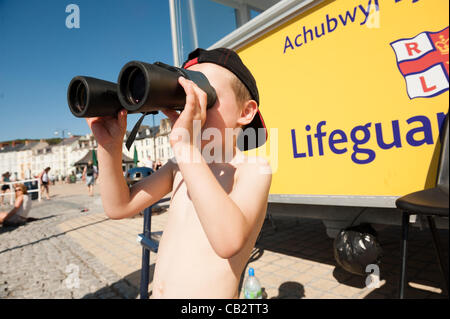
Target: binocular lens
148, 88
135, 89
80, 96
90, 97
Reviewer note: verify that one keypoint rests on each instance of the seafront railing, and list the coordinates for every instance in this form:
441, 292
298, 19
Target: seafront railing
12, 194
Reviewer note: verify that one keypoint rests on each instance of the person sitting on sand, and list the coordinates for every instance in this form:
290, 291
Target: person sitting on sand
22, 206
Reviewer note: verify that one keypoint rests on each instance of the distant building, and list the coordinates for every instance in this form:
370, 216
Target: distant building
69, 151
31, 157
163, 149
151, 142
8, 158
28, 159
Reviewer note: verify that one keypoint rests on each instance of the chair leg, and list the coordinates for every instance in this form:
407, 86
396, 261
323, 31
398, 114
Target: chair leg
405, 229
145, 263
437, 248
274, 226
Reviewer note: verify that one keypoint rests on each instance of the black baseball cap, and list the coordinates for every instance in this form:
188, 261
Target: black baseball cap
231, 61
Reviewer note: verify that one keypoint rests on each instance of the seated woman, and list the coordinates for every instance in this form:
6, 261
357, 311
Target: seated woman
22, 206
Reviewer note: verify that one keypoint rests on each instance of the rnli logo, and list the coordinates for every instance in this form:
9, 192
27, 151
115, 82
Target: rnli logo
423, 61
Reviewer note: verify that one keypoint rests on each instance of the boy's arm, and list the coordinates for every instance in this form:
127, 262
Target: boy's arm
227, 219
118, 200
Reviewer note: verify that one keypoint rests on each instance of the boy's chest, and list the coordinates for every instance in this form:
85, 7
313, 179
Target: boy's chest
225, 174
183, 229
181, 200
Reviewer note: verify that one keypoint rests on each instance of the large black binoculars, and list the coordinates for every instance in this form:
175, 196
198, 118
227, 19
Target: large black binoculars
141, 88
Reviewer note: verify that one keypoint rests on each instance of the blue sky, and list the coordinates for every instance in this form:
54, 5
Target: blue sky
39, 55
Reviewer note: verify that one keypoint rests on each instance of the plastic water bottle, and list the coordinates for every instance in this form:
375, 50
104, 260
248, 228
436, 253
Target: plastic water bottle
252, 287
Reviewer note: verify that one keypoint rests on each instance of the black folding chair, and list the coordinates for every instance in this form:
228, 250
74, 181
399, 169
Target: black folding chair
430, 203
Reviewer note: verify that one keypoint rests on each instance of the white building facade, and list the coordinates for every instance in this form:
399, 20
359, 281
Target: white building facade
152, 143
27, 160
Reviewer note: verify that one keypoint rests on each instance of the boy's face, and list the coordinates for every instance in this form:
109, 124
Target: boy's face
226, 112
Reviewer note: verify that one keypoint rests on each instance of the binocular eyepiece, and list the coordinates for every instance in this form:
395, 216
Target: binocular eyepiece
141, 88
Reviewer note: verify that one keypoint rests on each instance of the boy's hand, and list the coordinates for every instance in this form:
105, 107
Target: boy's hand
108, 130
194, 110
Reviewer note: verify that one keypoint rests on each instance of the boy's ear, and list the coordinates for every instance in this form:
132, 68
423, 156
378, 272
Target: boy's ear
248, 112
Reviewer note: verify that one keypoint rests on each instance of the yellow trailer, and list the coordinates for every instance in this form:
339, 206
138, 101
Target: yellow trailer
353, 93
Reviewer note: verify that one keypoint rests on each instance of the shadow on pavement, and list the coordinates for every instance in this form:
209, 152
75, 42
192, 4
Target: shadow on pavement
8, 228
290, 290
307, 239
125, 288
45, 238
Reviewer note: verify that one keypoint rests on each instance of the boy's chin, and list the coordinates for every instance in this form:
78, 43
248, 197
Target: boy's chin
211, 144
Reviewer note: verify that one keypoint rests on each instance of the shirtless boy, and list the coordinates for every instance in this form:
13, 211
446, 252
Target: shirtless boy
217, 207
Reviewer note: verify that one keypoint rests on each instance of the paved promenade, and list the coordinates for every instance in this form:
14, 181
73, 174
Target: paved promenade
68, 253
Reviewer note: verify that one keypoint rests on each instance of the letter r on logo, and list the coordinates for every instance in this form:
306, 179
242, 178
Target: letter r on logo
412, 46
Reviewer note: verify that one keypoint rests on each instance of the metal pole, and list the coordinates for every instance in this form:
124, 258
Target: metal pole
63, 136
154, 141
145, 269
405, 228
12, 198
39, 189
437, 248
193, 23
242, 15
173, 27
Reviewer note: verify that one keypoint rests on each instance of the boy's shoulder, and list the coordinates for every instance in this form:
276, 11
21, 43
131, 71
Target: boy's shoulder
254, 166
252, 180
246, 166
